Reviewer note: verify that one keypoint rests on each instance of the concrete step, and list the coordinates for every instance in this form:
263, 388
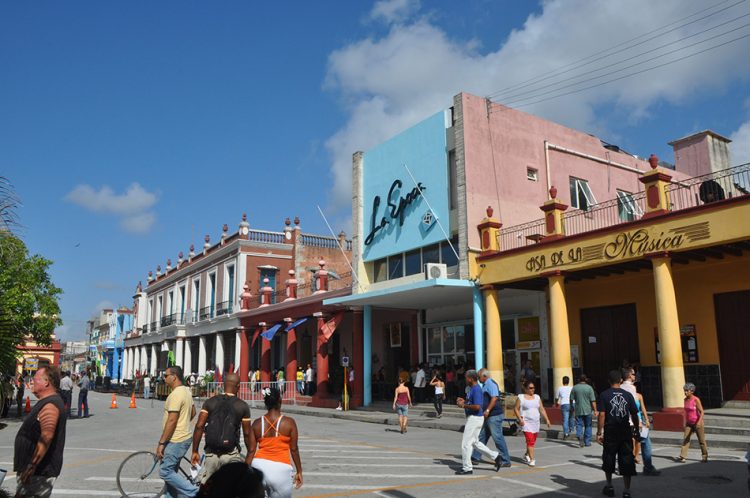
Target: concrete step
732, 431
727, 421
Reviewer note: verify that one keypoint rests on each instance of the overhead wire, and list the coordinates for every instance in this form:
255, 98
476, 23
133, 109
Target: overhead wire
658, 66
533, 94
530, 92
562, 69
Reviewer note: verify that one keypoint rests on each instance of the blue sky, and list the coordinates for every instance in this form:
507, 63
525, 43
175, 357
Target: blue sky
130, 130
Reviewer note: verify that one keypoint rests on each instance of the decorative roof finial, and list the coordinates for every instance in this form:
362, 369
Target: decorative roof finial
653, 160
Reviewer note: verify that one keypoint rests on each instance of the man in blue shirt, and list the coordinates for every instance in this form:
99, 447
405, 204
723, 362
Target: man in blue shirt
493, 412
472, 406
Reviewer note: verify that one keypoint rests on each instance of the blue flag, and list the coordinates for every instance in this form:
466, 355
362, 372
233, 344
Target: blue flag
295, 324
268, 334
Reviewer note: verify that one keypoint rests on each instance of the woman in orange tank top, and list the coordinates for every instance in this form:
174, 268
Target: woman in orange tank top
276, 435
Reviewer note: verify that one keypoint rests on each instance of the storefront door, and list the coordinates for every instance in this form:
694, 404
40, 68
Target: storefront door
610, 338
732, 319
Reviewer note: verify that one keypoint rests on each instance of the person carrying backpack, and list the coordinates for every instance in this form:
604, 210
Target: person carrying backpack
220, 419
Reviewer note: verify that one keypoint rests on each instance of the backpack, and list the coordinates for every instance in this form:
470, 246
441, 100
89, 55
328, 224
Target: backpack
223, 427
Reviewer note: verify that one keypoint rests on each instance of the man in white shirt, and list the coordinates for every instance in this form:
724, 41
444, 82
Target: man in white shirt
562, 399
419, 385
66, 391
308, 380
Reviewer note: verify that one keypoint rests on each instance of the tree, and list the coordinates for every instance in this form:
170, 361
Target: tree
29, 304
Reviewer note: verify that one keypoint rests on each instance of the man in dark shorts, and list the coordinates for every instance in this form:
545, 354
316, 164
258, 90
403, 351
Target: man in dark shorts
221, 418
616, 409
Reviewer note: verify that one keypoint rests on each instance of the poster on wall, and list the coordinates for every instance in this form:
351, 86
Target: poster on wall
575, 358
395, 334
689, 340
528, 329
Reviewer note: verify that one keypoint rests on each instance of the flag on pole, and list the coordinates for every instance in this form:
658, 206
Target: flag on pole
330, 326
268, 334
295, 324
255, 337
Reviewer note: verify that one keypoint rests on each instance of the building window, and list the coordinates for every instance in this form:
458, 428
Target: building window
431, 254
627, 208
446, 252
230, 286
380, 270
532, 174
413, 263
395, 266
196, 298
182, 303
581, 196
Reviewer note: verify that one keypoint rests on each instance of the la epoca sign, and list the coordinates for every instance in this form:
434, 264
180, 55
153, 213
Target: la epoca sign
395, 208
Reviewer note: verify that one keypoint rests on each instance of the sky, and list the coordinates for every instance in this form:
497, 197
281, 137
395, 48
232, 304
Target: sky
132, 129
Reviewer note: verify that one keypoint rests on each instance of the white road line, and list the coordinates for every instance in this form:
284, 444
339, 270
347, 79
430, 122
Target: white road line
569, 463
352, 457
339, 486
328, 446
399, 465
394, 476
83, 492
540, 487
361, 452
128, 479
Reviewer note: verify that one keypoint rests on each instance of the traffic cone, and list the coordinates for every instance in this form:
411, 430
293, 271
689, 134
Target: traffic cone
114, 402
132, 401
28, 405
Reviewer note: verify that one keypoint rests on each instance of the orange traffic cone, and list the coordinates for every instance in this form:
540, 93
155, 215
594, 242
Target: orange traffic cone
132, 401
114, 402
28, 405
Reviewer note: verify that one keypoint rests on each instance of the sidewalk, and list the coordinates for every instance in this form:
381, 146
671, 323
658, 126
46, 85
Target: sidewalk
423, 416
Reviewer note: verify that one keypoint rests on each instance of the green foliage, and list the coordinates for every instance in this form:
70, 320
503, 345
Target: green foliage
28, 299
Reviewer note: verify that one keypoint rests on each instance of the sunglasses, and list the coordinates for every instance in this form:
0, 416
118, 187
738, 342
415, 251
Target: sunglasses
531, 388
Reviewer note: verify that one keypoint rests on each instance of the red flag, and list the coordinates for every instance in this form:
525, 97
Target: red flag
231, 368
330, 326
218, 375
255, 337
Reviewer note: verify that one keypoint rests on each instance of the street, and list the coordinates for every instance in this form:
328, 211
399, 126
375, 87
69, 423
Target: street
346, 458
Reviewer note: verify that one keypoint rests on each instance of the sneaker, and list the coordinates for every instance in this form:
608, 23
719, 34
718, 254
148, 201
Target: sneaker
339, 408
532, 463
505, 465
704, 459
463, 472
498, 463
608, 491
626, 494
565, 436
680, 459
580, 442
651, 472
475, 462
526, 458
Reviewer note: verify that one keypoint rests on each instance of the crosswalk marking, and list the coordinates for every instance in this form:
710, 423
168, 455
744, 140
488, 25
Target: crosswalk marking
395, 476
125, 479
400, 465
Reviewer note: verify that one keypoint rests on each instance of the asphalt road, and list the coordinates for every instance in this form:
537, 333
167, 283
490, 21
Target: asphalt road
347, 458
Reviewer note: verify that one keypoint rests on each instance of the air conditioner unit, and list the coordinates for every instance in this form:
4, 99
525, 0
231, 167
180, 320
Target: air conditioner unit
435, 270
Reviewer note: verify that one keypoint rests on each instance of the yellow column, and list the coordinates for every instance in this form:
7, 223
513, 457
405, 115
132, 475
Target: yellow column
559, 333
672, 371
494, 337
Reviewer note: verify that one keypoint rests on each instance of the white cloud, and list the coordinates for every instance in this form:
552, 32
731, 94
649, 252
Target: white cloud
391, 11
133, 207
740, 145
388, 83
102, 305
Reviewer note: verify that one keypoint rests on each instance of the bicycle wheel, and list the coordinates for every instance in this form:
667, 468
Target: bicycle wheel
138, 476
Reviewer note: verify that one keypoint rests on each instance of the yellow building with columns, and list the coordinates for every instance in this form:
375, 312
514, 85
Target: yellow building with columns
659, 279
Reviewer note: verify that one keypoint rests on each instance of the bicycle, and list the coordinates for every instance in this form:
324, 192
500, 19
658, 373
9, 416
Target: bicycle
138, 475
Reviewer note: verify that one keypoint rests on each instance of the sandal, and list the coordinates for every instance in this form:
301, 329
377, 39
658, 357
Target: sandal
680, 460
608, 491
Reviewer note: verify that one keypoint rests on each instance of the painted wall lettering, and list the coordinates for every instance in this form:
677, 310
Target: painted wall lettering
396, 208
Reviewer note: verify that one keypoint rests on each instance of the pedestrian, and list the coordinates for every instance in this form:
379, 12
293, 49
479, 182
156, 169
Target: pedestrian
472, 406
693, 424
146, 386
401, 403
83, 395
380, 379
276, 437
66, 391
420, 382
562, 399
494, 414
583, 398
280, 381
309, 380
628, 384
254, 381
40, 442
527, 373
176, 436
439, 386
529, 410
221, 418
300, 381
20, 389
615, 432
645, 440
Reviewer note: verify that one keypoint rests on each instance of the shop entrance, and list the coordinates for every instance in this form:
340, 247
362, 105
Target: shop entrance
732, 317
610, 337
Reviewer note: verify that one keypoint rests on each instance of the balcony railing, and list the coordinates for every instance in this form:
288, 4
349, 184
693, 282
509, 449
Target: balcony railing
706, 189
266, 236
152, 327
224, 308
206, 313
173, 319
